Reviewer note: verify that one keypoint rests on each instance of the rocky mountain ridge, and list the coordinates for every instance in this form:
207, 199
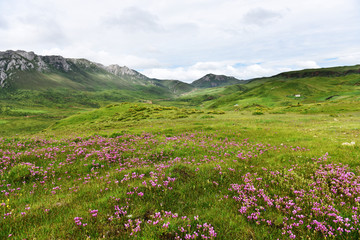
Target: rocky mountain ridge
13, 61
27, 70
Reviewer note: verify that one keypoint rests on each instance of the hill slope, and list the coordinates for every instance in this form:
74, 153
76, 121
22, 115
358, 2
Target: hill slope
340, 85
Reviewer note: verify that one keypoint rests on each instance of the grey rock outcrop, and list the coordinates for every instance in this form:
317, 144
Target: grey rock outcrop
3, 77
57, 62
28, 55
86, 64
41, 65
117, 70
29, 60
125, 72
13, 61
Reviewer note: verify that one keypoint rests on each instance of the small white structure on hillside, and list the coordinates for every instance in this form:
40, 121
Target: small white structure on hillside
297, 95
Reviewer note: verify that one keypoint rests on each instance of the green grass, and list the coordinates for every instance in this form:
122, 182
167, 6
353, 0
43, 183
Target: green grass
124, 115
161, 170
98, 167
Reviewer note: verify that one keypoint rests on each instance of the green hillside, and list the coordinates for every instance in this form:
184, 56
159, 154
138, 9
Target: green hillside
121, 115
282, 92
322, 72
176, 87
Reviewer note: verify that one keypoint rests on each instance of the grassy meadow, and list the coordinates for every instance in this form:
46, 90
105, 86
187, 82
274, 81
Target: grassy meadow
275, 158
144, 171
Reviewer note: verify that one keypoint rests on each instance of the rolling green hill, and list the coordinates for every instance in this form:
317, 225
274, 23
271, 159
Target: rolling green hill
322, 72
338, 86
122, 114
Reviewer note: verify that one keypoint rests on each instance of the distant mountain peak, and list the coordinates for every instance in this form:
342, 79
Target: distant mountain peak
117, 70
125, 71
212, 80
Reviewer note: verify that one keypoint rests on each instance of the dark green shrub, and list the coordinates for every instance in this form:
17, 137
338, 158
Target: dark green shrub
258, 112
19, 173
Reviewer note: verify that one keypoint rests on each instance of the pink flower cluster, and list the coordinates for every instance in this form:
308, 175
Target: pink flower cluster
327, 203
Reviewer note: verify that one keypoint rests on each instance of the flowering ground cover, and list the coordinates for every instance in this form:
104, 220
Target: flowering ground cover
198, 184
140, 171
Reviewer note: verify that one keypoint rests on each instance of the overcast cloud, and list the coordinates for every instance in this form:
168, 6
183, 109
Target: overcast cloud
187, 39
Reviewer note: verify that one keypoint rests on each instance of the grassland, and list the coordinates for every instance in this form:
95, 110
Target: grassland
249, 161
154, 172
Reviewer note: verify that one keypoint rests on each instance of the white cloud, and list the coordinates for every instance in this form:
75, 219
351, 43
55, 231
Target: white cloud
3, 23
260, 16
353, 58
135, 19
198, 70
138, 62
307, 64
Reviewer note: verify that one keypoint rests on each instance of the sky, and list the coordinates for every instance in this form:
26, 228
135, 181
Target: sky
186, 39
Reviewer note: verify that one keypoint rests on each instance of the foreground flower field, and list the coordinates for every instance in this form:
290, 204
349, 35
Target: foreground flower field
194, 185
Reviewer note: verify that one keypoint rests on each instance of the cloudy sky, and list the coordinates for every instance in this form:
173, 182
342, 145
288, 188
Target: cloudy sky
186, 39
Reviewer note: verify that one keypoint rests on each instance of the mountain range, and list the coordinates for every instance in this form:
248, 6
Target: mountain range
30, 79
27, 70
